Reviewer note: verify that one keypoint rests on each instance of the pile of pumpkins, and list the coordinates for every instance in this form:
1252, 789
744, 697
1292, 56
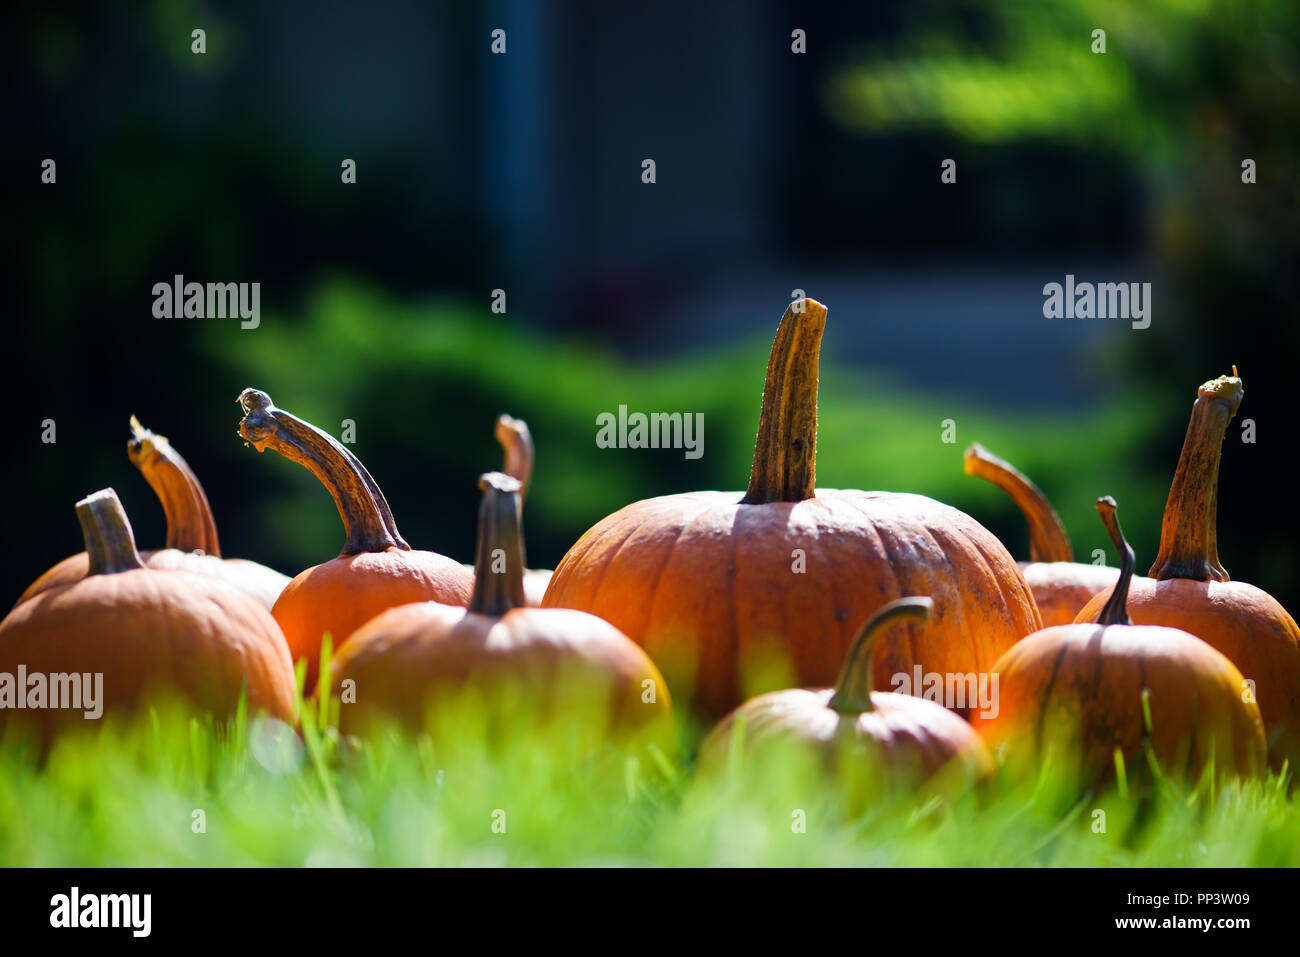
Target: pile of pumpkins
1184, 666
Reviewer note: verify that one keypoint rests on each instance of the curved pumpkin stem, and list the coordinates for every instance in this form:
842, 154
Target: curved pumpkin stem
1115, 611
1048, 541
517, 442
853, 687
1189, 545
785, 452
110, 543
499, 560
190, 526
367, 520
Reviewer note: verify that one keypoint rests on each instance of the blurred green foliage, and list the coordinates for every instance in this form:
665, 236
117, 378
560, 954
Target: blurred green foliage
1171, 70
1184, 93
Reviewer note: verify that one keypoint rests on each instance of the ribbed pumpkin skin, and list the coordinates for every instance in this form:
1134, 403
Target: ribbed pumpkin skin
1061, 589
1095, 676
1244, 623
341, 595
71, 569
909, 734
408, 657
702, 582
264, 584
153, 631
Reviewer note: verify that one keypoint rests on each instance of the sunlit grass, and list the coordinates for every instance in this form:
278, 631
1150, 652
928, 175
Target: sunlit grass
129, 795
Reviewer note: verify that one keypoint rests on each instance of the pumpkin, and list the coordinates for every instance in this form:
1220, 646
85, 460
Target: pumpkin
517, 443
1084, 691
712, 583
147, 631
902, 734
1188, 587
411, 657
376, 569
1061, 586
192, 542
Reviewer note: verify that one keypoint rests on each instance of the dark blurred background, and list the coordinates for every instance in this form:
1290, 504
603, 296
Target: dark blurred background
775, 171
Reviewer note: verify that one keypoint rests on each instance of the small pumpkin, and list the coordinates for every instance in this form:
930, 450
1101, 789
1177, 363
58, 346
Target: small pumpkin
409, 657
1085, 690
147, 631
908, 736
1061, 586
517, 443
710, 582
376, 569
1188, 587
192, 543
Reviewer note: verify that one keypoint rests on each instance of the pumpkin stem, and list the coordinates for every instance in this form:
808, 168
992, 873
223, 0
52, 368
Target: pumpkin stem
785, 451
1189, 545
367, 520
853, 686
1115, 611
517, 442
1048, 541
499, 561
190, 526
110, 543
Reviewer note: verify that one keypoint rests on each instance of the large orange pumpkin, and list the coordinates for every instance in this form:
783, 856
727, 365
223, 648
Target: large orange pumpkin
147, 631
1061, 586
898, 734
192, 543
418, 655
1189, 588
1086, 690
376, 569
710, 582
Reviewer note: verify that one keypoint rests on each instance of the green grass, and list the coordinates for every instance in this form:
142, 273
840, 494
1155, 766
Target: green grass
127, 795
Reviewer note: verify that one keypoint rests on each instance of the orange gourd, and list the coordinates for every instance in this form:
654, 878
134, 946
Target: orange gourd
1189, 588
899, 734
149, 633
709, 583
376, 569
1061, 586
415, 656
1086, 690
192, 543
